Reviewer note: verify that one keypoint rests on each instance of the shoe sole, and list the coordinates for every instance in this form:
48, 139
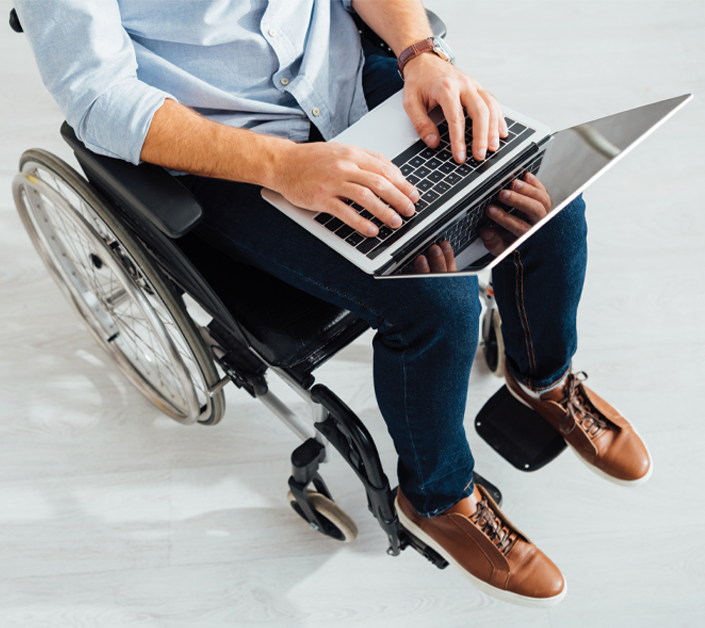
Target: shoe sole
592, 467
500, 594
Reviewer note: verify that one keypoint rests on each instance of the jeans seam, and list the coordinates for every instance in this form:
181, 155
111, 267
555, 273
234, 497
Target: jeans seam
523, 318
440, 510
422, 488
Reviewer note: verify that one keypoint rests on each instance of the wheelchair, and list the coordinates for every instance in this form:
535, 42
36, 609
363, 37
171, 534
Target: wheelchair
117, 242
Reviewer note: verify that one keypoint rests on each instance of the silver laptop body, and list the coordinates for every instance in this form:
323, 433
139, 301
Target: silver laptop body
566, 162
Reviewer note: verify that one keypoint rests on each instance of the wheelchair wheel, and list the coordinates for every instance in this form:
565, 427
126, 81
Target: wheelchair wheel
127, 304
339, 524
493, 344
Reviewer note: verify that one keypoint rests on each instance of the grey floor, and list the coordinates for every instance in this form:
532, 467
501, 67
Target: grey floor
111, 514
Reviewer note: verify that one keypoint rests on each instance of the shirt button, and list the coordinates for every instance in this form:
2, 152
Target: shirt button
316, 111
285, 81
272, 32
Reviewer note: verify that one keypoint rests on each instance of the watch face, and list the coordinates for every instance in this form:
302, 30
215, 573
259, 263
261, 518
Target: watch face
443, 50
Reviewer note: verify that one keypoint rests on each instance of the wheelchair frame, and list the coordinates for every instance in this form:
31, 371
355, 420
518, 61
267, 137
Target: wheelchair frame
115, 242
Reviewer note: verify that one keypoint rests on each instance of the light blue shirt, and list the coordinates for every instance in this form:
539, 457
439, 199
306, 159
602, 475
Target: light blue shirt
269, 66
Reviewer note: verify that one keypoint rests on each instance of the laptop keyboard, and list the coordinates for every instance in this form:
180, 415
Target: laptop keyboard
436, 176
465, 231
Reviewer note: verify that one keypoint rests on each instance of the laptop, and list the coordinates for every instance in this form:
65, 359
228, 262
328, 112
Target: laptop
454, 196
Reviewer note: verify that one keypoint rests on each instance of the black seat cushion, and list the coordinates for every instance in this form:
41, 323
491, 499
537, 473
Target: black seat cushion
286, 326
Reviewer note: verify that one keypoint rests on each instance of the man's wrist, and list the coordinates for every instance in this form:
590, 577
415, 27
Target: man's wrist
423, 61
433, 45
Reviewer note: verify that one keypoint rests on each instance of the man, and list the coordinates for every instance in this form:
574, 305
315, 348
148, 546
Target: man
228, 94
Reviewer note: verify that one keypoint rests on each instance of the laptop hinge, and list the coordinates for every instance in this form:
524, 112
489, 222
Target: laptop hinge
508, 172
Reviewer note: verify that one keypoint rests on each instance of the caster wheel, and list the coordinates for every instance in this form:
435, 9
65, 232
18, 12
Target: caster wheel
338, 524
493, 344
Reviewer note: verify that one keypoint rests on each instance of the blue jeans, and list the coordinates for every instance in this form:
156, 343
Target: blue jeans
427, 329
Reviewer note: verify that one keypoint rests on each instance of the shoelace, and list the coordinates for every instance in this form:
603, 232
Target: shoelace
576, 410
491, 525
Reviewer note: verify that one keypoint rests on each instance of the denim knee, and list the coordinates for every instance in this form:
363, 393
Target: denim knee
436, 312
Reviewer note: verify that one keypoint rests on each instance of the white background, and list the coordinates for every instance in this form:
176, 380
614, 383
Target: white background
111, 514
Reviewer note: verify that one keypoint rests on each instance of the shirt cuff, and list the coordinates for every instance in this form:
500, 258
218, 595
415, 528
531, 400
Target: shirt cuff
117, 123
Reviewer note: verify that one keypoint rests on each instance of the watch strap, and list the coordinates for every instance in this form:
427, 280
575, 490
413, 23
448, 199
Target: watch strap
413, 51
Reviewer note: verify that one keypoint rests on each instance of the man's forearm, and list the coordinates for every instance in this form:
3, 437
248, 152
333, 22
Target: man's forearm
400, 23
180, 139
315, 176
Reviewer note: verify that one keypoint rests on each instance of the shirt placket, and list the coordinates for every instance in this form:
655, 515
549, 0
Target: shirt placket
300, 88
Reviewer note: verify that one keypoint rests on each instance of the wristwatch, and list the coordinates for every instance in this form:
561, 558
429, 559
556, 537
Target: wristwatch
430, 44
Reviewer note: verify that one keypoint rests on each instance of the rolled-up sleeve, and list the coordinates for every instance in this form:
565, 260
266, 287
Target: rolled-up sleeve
87, 62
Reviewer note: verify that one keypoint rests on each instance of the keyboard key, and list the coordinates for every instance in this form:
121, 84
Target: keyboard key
431, 196
344, 231
384, 232
427, 153
453, 178
323, 218
444, 155
407, 169
442, 187
433, 163
422, 172
448, 167
424, 185
464, 170
368, 244
413, 179
354, 238
416, 161
436, 176
334, 225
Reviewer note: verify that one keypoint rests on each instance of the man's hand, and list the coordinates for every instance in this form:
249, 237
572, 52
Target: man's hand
530, 198
431, 81
438, 259
320, 176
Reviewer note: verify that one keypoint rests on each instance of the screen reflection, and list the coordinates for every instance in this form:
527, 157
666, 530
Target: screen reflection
537, 189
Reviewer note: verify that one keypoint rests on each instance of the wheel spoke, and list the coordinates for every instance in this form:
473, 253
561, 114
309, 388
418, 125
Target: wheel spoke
112, 285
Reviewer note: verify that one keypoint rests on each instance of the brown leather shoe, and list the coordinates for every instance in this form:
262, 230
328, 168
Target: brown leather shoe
600, 436
488, 550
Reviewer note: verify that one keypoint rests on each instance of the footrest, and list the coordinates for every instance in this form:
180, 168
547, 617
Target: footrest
517, 433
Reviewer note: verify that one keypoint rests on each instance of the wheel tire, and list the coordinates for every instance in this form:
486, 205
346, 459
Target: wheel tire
125, 301
342, 527
493, 344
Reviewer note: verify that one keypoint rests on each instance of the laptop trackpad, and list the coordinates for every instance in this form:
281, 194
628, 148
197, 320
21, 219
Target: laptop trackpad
386, 129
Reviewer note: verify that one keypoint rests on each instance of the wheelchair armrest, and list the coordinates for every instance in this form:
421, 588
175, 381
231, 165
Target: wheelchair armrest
437, 25
145, 191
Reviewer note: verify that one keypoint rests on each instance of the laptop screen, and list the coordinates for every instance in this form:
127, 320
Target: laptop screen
570, 161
